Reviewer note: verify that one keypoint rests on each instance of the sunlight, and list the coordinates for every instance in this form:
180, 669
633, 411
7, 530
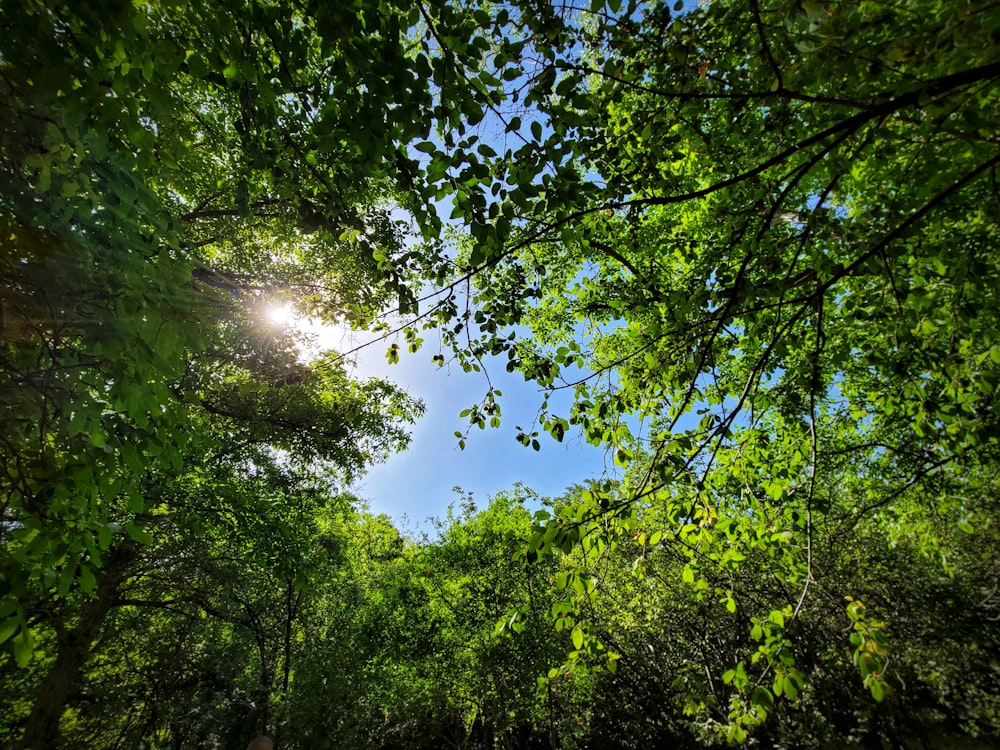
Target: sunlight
316, 337
281, 315
325, 336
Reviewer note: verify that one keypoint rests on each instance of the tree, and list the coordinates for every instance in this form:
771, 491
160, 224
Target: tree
165, 171
153, 168
407, 652
760, 242
766, 273
774, 260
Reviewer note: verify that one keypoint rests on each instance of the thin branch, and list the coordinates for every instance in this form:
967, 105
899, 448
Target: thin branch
732, 96
759, 23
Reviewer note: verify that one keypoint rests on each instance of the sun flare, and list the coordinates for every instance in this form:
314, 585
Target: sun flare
281, 315
317, 336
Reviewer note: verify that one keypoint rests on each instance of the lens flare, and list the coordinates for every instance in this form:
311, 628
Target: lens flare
280, 315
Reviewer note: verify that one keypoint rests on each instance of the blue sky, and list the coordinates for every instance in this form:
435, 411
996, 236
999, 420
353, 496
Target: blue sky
417, 484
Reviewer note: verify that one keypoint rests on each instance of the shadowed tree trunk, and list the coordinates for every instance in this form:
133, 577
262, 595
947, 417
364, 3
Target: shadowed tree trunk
41, 731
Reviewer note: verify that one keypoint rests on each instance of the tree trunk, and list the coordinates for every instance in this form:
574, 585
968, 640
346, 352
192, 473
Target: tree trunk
553, 737
41, 731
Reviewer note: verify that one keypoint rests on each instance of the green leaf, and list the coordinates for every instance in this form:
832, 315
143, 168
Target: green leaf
136, 502
24, 646
138, 534
78, 422
197, 65
167, 341
791, 690
877, 690
577, 638
132, 459
88, 581
867, 664
9, 627
762, 699
66, 577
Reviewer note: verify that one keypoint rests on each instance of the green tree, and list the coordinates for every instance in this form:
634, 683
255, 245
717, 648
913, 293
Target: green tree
408, 653
165, 171
756, 242
245, 490
165, 176
712, 644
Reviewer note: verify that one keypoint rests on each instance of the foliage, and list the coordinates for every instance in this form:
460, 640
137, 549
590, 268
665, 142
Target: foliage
755, 241
152, 205
762, 270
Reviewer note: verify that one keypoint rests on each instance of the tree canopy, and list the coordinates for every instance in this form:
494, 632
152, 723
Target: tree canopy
754, 242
